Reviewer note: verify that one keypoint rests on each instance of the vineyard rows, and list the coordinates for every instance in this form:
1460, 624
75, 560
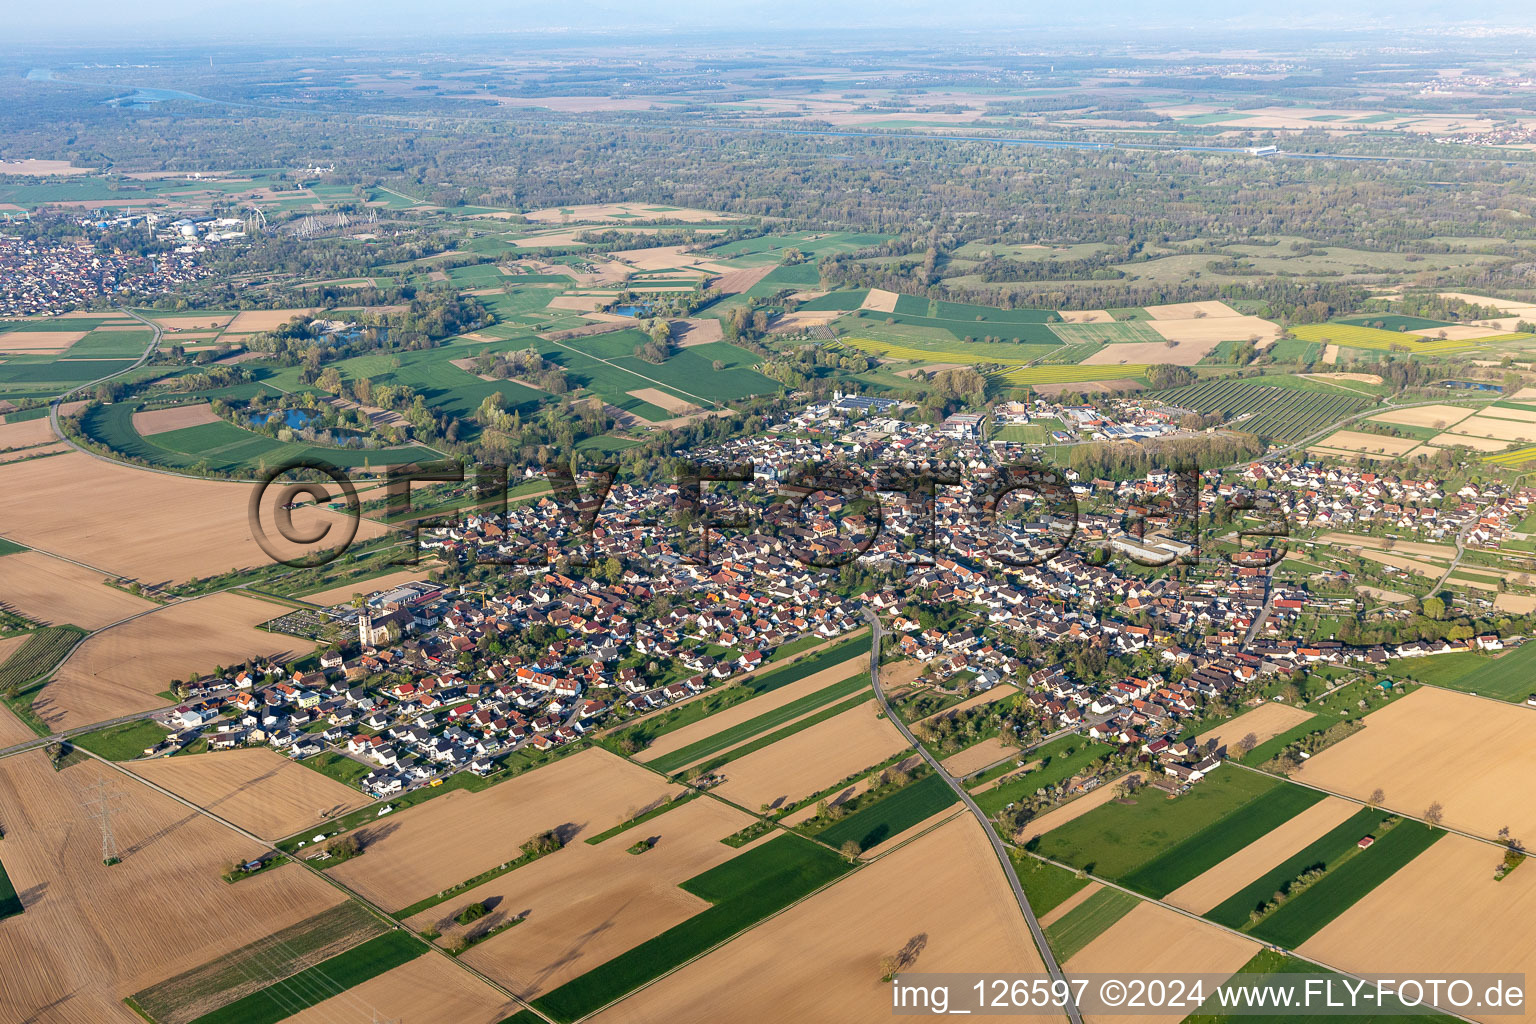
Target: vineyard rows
1278, 413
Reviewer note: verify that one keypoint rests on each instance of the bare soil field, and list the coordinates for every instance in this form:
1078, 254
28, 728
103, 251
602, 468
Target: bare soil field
163, 528
687, 333
1477, 444
1443, 552
622, 213
1209, 888
1525, 394
820, 959
1268, 719
175, 323
31, 453
55, 592
1130, 353
1098, 387
1442, 913
1485, 782
1155, 940
256, 788
737, 281
1490, 426
91, 934
588, 903
1192, 310
254, 320
25, 434
1519, 604
1458, 332
978, 756
428, 988
120, 670
376, 584
1399, 562
750, 709
158, 421
880, 300
785, 322
38, 342
1506, 306
1437, 416
1212, 329
671, 403
1389, 596
1071, 811
1085, 316
1331, 355
416, 853
1522, 415
804, 762
1359, 442
40, 168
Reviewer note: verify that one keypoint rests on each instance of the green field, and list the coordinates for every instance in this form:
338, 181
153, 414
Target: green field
1087, 921
742, 891
277, 956
1121, 331
1510, 676
1303, 916
337, 766
1115, 840
9, 547
1393, 322
836, 300
1324, 851
326, 979
762, 723
10, 903
225, 448
869, 826
1278, 413
754, 685
1033, 331
122, 742
1059, 761
1219, 840
1045, 885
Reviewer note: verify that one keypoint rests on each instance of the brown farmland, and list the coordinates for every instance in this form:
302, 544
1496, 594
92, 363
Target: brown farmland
1485, 783
750, 709
120, 670
804, 762
820, 959
419, 852
588, 903
93, 934
428, 988
162, 528
257, 789
54, 592
1441, 913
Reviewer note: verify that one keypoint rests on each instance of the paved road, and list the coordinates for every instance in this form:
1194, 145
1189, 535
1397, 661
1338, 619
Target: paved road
1051, 967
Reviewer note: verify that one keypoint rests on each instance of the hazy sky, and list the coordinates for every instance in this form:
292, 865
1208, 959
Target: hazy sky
330, 21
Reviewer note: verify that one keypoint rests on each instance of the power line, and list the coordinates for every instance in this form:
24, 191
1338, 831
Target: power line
100, 802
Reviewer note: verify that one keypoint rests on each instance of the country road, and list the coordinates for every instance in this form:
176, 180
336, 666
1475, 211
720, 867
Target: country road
1049, 958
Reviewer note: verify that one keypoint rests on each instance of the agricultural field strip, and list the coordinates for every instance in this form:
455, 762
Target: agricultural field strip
1069, 934
891, 815
1220, 839
1273, 411
701, 749
1234, 910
